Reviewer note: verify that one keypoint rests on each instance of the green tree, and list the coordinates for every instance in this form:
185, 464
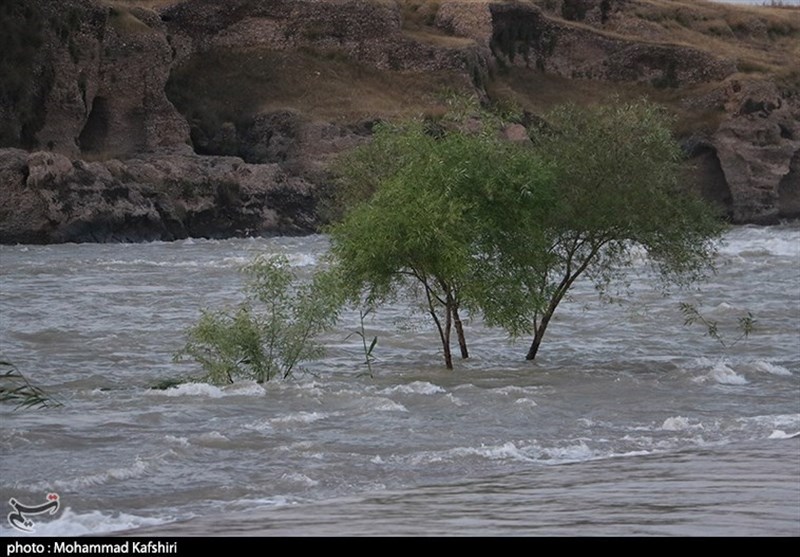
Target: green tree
435, 218
504, 230
271, 331
617, 168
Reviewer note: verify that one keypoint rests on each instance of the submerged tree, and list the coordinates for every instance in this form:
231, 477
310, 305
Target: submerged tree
269, 333
433, 221
617, 170
505, 230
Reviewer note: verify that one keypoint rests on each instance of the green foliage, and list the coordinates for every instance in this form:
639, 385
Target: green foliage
468, 221
362, 333
15, 388
437, 220
272, 331
744, 324
617, 172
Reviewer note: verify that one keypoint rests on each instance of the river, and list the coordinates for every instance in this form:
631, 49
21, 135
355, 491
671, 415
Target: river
628, 423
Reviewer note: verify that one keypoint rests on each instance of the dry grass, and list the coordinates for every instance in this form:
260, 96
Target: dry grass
760, 38
437, 38
538, 93
233, 84
757, 37
230, 85
764, 42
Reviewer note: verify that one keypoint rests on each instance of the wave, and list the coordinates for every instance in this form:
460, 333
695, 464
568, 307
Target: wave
780, 434
137, 469
772, 369
679, 423
415, 387
71, 523
749, 241
245, 388
300, 417
717, 371
298, 478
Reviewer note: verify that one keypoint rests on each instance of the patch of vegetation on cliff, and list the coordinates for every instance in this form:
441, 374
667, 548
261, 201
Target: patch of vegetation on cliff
537, 93
233, 85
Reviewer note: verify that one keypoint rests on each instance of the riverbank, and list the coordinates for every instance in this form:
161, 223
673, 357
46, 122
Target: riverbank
149, 120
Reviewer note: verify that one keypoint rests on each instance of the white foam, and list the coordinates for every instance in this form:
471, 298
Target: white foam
530, 403
189, 389
136, 470
301, 259
180, 441
300, 417
749, 242
299, 388
302, 479
244, 388
262, 426
506, 451
571, 453
776, 421
386, 405
251, 503
724, 375
70, 523
514, 389
454, 399
780, 434
720, 373
416, 387
772, 369
236, 261
212, 439
679, 423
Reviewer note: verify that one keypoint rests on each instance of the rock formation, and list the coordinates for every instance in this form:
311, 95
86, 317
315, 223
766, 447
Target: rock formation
160, 120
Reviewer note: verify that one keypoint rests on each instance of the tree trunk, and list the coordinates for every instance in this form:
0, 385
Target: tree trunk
444, 330
448, 326
462, 341
537, 336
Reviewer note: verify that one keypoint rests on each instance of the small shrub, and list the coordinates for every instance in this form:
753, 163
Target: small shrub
271, 332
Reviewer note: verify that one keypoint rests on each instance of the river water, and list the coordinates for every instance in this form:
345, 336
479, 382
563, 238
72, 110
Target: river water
628, 423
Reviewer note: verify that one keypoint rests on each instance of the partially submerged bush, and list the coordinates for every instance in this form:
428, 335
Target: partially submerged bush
271, 332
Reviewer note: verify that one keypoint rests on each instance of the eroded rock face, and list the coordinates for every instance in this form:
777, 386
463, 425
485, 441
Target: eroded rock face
51, 198
758, 147
748, 166
90, 86
522, 35
95, 84
367, 31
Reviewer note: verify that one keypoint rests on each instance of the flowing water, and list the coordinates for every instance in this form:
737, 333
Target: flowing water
627, 423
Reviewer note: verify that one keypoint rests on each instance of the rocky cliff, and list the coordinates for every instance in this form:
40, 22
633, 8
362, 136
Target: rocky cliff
125, 120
